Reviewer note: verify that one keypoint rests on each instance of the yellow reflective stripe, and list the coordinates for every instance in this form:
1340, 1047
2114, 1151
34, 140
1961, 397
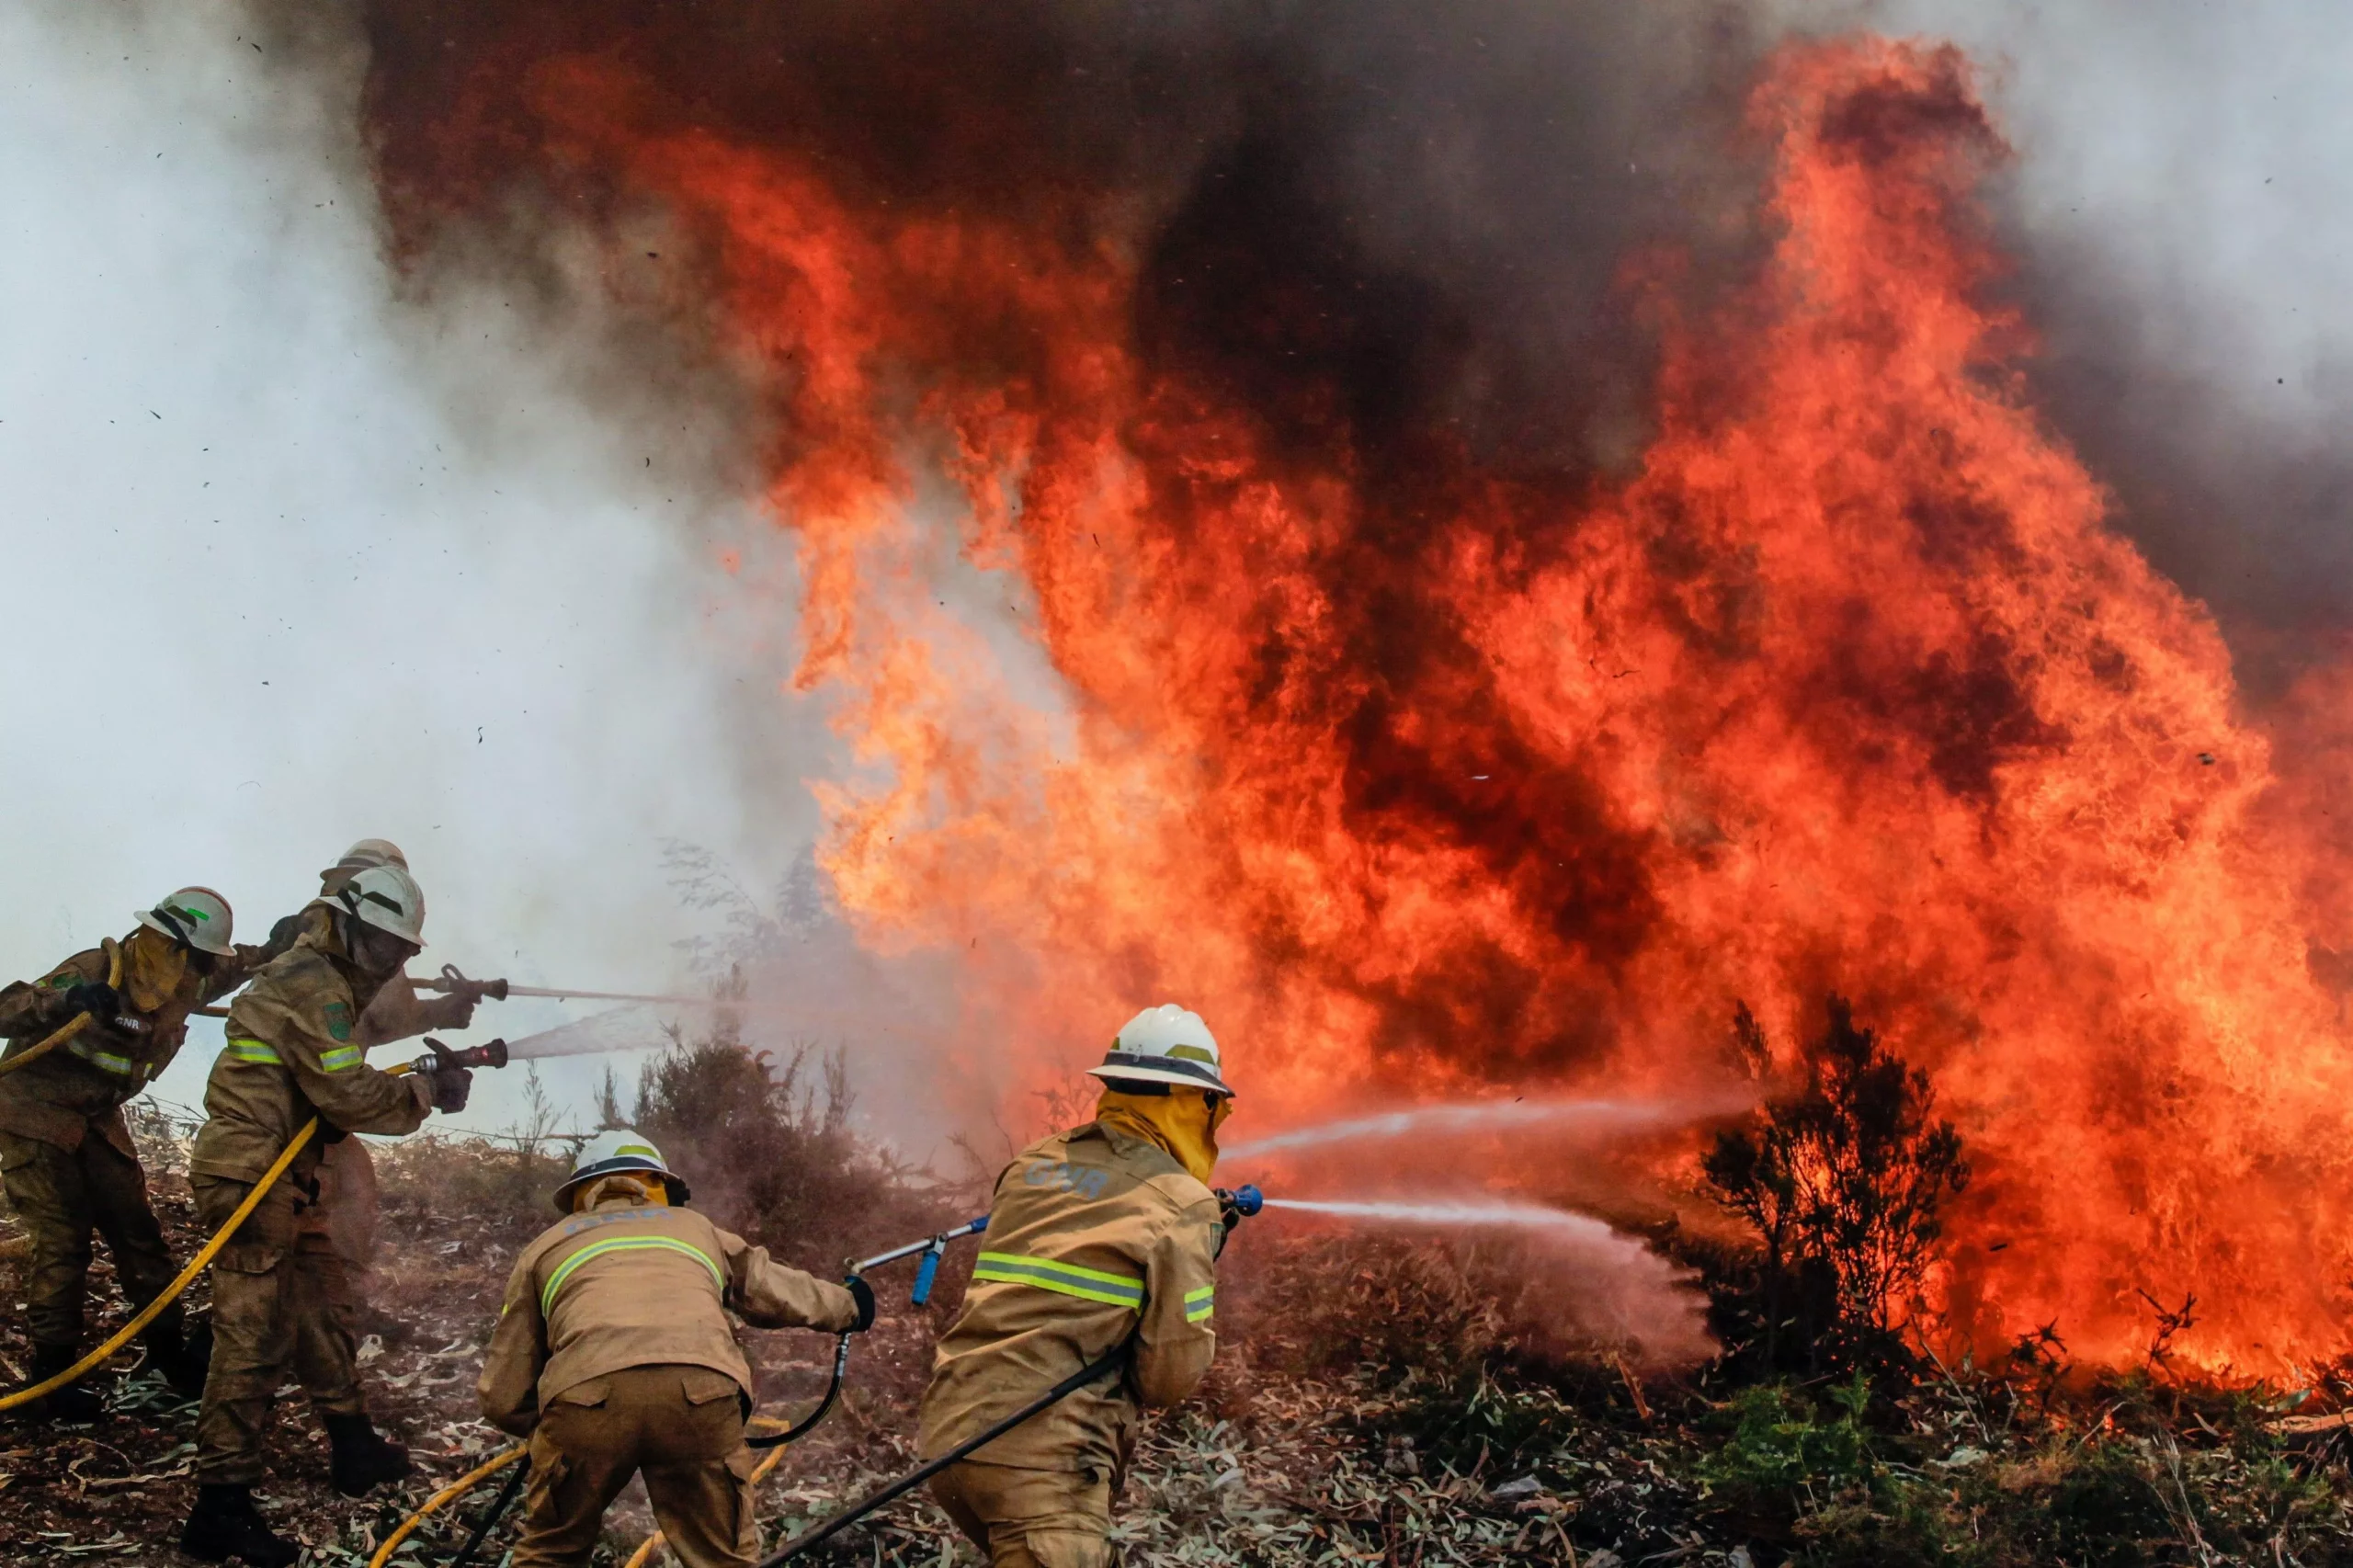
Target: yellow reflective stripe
1068, 1279
342, 1058
254, 1050
1200, 1304
120, 1066
625, 1244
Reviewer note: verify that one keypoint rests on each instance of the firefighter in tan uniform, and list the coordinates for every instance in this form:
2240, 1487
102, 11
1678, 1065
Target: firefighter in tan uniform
293, 1053
66, 1158
1104, 1234
346, 1209
614, 1357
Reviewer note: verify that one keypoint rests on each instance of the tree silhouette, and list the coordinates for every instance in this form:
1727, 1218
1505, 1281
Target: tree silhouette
1845, 1180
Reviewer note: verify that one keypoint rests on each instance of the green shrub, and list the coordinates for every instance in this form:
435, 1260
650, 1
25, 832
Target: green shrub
1785, 1449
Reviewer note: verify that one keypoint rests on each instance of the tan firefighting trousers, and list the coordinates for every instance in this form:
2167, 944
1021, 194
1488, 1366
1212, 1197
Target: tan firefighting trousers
682, 1428
1029, 1519
273, 1293
63, 1195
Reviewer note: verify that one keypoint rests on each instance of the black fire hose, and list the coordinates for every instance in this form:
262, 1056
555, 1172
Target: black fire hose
800, 1429
497, 1506
923, 1472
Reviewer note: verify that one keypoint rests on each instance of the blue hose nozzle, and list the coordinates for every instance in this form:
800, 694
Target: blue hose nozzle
1244, 1200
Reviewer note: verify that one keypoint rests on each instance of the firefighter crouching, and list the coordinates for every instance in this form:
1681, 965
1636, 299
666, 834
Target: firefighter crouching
1105, 1234
65, 1156
614, 1357
292, 1054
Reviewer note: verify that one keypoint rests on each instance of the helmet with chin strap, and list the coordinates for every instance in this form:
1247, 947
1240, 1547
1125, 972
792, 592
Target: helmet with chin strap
360, 857
1167, 1044
387, 898
617, 1151
198, 917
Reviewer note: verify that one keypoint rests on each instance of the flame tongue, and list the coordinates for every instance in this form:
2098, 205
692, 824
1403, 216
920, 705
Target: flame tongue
1401, 770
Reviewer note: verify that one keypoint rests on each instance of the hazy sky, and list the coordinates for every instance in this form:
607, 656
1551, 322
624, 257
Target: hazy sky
292, 565
294, 562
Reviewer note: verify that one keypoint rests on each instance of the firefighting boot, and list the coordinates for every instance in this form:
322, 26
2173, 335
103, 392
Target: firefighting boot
183, 1359
72, 1402
225, 1525
362, 1457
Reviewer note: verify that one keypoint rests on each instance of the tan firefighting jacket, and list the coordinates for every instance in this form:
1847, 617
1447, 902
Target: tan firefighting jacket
397, 1012
80, 1087
623, 1285
293, 1052
1093, 1235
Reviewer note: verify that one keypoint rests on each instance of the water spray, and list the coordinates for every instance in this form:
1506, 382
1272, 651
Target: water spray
1523, 1216
1485, 1116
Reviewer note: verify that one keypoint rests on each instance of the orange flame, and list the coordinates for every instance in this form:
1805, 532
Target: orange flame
1412, 776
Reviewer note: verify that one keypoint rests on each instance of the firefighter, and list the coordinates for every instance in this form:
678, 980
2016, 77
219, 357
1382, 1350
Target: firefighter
614, 1357
293, 1053
1104, 1234
65, 1156
347, 1208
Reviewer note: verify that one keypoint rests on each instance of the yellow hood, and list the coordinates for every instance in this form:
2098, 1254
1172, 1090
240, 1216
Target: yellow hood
1182, 1121
152, 967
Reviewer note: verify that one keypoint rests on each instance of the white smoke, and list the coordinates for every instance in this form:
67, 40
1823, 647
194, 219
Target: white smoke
1585, 1285
293, 564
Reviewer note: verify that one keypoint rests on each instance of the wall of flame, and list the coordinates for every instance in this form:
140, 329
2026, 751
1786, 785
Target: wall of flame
1416, 774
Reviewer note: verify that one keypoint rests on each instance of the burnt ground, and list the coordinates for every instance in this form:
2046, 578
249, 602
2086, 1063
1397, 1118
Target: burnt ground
1273, 1465
1368, 1408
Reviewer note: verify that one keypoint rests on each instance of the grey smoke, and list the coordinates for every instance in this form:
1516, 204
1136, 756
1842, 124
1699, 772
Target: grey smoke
429, 515
292, 561
2183, 209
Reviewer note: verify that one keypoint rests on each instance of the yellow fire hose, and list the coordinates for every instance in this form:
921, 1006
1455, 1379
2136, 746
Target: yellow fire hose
72, 1026
499, 1461
442, 1499
196, 1266
153, 1308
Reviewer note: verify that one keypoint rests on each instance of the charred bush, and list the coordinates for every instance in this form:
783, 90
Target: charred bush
1844, 1180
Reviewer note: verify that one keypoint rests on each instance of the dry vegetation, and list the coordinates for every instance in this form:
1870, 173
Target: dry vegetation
1371, 1405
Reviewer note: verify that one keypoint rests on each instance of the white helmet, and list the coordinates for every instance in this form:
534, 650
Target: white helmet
386, 897
1164, 1045
198, 917
358, 858
612, 1153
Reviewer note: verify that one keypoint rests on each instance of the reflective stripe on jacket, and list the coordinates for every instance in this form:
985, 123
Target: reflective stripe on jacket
293, 1052
1094, 1236
80, 1087
622, 1287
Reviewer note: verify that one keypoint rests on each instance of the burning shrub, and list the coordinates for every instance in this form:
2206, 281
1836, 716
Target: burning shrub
1843, 1181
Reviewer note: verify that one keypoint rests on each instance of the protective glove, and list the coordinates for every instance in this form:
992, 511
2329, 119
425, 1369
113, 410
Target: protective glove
863, 1294
281, 939
103, 1002
450, 1087
450, 1012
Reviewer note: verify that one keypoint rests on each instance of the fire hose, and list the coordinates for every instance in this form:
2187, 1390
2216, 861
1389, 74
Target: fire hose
491, 1055
931, 1247
1241, 1203
73, 1026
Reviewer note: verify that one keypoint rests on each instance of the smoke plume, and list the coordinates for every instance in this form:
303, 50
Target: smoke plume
1464, 552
